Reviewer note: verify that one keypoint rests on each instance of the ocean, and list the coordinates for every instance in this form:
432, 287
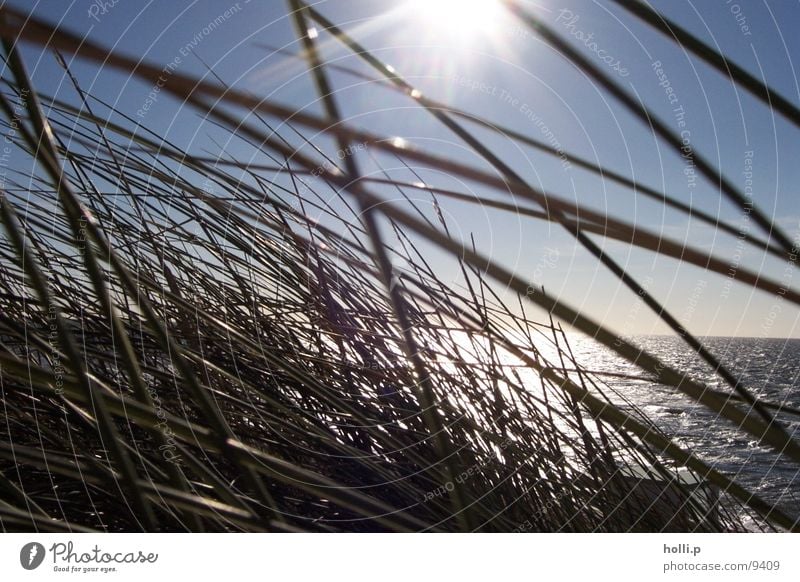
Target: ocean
769, 368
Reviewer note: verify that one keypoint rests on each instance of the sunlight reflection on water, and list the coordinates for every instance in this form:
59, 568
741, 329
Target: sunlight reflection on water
769, 368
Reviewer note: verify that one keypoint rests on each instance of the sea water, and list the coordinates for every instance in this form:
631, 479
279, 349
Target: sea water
768, 368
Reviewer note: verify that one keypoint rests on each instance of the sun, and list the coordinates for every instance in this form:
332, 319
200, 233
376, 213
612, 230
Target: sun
458, 19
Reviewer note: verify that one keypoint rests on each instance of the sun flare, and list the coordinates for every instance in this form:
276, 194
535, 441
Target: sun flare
457, 18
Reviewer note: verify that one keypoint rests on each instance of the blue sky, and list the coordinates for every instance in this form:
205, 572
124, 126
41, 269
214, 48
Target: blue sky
509, 76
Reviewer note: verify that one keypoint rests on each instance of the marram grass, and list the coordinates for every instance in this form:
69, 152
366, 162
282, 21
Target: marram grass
183, 347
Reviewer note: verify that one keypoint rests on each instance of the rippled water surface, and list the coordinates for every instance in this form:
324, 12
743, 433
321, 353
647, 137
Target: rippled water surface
769, 368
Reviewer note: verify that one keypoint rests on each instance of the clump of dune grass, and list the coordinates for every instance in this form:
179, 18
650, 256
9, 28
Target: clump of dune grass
203, 343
